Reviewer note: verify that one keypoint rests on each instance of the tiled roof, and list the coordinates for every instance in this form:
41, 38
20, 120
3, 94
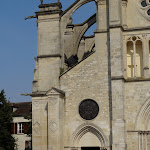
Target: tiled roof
23, 109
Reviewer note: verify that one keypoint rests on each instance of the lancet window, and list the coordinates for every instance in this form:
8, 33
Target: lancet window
134, 57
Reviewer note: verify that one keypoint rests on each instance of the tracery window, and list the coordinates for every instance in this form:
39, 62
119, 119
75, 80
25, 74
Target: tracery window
134, 57
145, 5
88, 109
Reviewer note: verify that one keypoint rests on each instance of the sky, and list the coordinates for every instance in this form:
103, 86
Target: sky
18, 43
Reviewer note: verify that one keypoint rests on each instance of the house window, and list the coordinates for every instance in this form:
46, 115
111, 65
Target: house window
134, 57
14, 128
20, 128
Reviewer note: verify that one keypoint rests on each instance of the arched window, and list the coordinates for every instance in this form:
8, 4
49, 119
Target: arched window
134, 57
130, 61
139, 58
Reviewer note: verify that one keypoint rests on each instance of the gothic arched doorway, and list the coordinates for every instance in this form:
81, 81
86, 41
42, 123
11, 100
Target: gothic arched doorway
142, 126
89, 137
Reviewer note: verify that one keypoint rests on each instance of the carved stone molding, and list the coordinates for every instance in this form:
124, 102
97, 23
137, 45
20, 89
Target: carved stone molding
50, 148
101, 2
143, 7
36, 103
55, 91
124, 3
144, 36
53, 126
36, 128
53, 100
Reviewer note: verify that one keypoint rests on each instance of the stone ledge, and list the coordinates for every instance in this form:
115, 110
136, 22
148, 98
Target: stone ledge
139, 79
50, 5
49, 12
46, 56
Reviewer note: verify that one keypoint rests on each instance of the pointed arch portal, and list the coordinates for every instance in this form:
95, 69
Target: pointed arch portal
89, 137
143, 118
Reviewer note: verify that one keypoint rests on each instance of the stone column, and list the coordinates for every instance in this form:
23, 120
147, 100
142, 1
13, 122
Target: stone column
124, 13
117, 75
102, 55
146, 56
101, 16
36, 123
55, 119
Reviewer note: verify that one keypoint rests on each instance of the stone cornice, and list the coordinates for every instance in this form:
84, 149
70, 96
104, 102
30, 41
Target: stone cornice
35, 94
46, 93
139, 131
46, 56
51, 5
48, 12
46, 9
101, 2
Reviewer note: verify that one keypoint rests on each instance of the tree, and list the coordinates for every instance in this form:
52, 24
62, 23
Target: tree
7, 142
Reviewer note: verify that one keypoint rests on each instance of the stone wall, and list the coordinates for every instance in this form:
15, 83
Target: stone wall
87, 80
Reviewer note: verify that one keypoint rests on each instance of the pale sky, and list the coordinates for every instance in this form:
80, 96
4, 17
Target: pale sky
18, 43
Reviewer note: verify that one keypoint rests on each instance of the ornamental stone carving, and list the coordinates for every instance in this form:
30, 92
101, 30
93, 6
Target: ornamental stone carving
36, 103
88, 109
53, 100
36, 128
144, 8
53, 126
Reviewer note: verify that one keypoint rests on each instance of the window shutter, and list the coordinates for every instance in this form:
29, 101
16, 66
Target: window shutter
25, 128
12, 126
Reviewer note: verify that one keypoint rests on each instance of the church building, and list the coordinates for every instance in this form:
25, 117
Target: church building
92, 92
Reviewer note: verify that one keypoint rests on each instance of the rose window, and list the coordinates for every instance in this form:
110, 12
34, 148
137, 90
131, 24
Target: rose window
145, 5
88, 109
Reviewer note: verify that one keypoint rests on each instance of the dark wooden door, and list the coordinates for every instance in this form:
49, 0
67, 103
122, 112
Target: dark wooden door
90, 148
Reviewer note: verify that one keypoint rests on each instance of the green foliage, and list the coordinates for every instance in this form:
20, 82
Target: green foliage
61, 71
29, 124
7, 142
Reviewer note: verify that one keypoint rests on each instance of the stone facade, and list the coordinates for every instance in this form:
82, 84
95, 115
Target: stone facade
114, 73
